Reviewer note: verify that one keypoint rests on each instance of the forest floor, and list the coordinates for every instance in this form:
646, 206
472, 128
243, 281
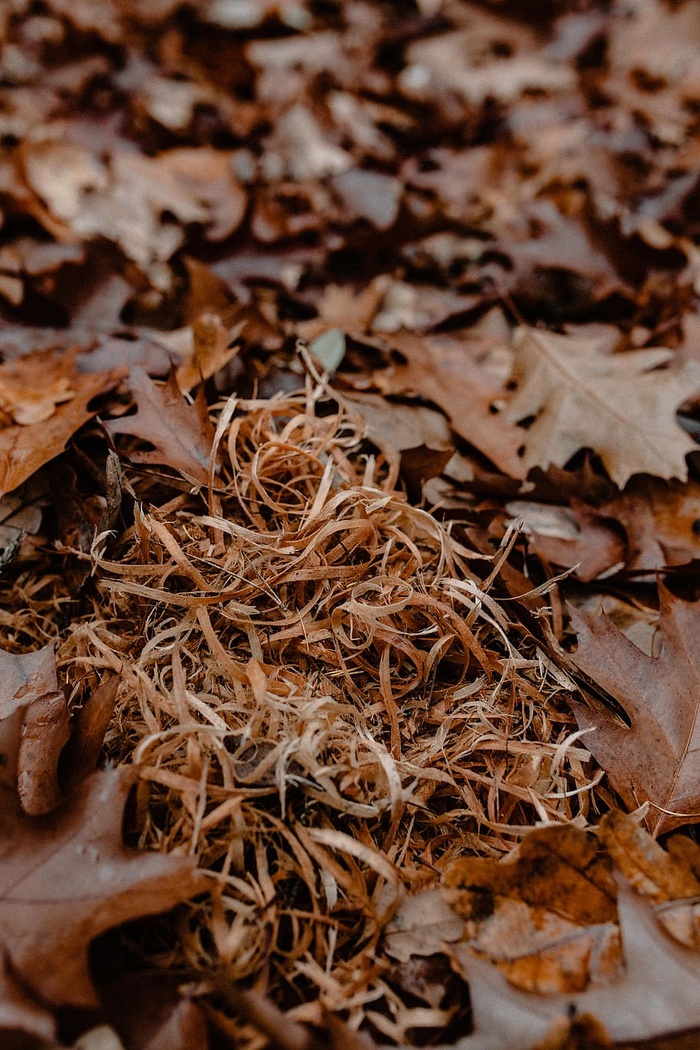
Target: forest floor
349, 524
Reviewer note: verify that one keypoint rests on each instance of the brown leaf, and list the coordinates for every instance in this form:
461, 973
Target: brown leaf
90, 724
26, 676
211, 350
125, 198
20, 1012
658, 758
575, 537
444, 372
181, 433
657, 995
67, 877
469, 62
23, 449
544, 918
45, 731
34, 728
660, 519
27, 401
620, 405
657, 874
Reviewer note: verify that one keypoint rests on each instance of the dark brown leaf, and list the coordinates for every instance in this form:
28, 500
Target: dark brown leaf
68, 877
657, 760
181, 433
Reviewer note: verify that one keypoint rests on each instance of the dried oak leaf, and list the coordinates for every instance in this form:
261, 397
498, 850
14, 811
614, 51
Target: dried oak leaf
546, 918
576, 536
181, 433
445, 372
658, 758
620, 405
660, 520
24, 677
125, 198
23, 449
44, 752
657, 996
33, 728
67, 877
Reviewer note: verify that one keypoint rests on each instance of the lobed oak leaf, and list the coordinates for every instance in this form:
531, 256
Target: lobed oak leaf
656, 760
445, 372
620, 405
37, 731
659, 519
124, 199
25, 677
25, 448
33, 728
181, 433
657, 996
67, 877
546, 917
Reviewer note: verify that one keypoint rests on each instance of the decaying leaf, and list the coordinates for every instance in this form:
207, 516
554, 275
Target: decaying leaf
620, 405
124, 200
445, 372
26, 676
657, 995
656, 760
25, 448
181, 433
68, 877
546, 917
210, 350
36, 733
33, 728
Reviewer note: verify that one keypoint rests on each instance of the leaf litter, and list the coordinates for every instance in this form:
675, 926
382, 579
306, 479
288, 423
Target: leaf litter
321, 696
345, 706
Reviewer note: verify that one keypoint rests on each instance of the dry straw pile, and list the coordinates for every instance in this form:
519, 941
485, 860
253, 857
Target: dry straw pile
324, 699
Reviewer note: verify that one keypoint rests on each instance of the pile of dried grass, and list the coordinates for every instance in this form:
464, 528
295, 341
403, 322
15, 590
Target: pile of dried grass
323, 697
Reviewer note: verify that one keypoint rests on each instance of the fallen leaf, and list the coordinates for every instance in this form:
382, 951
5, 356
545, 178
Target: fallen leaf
546, 917
656, 760
45, 731
575, 537
328, 349
23, 399
443, 371
20, 1012
657, 996
25, 677
469, 60
299, 148
369, 195
67, 877
659, 875
125, 198
23, 449
90, 723
620, 405
181, 433
660, 520
210, 349
35, 729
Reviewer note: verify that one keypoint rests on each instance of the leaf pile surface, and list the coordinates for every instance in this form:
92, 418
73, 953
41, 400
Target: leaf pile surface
349, 522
